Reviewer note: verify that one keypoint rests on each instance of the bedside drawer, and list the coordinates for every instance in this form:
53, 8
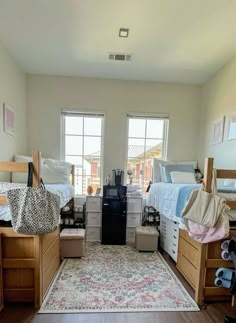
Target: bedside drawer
130, 235
93, 219
93, 204
134, 205
173, 253
93, 234
133, 219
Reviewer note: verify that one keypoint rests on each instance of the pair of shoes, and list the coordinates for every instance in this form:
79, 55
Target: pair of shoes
224, 277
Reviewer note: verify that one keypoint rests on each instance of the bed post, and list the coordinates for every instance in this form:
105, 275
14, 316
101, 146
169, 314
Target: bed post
37, 168
208, 174
38, 297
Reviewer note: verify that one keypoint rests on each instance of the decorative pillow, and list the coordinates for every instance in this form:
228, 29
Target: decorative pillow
182, 178
229, 182
176, 168
157, 171
52, 171
54, 174
188, 162
56, 171
19, 177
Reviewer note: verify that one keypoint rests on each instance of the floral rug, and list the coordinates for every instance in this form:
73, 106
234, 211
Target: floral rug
116, 279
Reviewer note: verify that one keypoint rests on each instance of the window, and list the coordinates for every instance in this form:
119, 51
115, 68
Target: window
147, 139
82, 146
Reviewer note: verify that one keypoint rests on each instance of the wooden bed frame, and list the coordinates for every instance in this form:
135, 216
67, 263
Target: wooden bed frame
198, 262
29, 262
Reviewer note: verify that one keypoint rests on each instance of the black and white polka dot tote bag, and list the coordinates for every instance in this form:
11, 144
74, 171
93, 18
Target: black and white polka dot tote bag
34, 210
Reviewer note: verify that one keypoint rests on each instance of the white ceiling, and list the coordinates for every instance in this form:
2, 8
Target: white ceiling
183, 41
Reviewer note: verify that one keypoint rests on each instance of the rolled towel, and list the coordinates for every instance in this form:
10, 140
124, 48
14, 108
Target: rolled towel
225, 244
219, 282
225, 255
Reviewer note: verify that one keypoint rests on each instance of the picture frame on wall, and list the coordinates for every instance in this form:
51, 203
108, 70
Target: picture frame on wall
8, 119
232, 127
217, 131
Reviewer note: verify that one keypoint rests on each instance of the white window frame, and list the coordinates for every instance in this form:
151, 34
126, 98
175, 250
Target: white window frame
72, 113
150, 116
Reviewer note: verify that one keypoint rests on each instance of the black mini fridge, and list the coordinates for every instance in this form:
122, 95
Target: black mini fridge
114, 217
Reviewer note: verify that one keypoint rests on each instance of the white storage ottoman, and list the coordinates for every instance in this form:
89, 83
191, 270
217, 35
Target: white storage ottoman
146, 238
72, 242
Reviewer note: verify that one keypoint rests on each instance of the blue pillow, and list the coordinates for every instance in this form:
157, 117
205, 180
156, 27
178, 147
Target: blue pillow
176, 168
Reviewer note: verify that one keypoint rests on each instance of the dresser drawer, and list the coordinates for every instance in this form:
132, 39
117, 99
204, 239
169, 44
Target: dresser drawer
93, 233
93, 204
133, 219
93, 218
173, 253
130, 235
134, 205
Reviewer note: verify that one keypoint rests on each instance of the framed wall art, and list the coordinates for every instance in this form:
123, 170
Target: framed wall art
217, 131
232, 127
8, 119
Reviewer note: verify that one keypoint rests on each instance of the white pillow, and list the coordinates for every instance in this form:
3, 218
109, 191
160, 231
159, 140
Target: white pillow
54, 174
229, 182
55, 171
182, 178
20, 177
188, 162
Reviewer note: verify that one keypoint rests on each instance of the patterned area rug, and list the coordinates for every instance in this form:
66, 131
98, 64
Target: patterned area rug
116, 279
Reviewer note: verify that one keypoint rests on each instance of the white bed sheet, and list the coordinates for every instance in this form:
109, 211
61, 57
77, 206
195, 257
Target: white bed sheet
64, 191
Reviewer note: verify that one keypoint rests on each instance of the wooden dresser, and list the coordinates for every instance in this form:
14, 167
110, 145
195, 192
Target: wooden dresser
1, 287
198, 263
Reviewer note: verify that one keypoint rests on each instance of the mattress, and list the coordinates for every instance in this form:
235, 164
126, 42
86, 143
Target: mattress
64, 191
170, 199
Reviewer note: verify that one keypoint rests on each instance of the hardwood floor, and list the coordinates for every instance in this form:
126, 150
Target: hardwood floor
214, 313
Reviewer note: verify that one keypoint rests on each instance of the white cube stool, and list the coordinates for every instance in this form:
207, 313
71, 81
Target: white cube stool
72, 242
146, 238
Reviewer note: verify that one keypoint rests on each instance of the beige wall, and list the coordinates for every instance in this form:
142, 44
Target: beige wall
12, 92
47, 95
218, 99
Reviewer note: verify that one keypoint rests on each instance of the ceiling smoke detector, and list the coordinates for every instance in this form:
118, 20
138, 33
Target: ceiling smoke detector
119, 57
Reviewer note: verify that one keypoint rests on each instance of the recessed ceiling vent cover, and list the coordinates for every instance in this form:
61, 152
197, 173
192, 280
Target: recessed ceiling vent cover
119, 57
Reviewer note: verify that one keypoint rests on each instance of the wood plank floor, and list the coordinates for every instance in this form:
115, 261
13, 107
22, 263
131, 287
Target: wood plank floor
214, 313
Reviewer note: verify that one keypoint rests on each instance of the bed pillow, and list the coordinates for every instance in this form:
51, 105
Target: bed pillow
19, 177
188, 162
182, 178
55, 171
176, 168
157, 170
229, 182
55, 174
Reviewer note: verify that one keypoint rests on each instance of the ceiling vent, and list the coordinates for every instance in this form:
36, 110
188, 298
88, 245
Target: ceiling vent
119, 57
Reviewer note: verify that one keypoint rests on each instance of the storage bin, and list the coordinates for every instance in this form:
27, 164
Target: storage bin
72, 243
146, 238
